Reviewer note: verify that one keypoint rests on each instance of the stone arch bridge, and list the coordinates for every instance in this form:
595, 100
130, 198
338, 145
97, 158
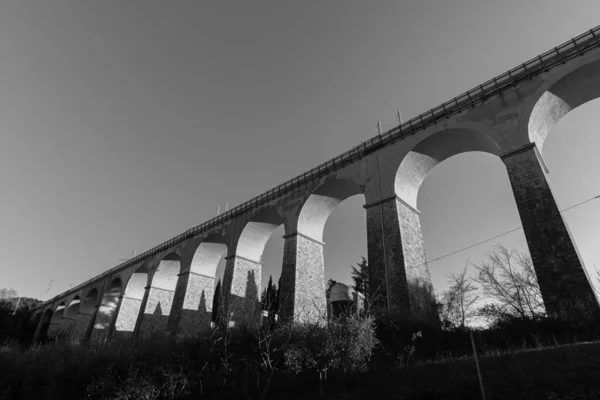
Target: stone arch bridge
171, 286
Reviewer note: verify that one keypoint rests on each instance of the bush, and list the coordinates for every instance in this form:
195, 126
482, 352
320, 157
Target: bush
343, 344
16, 327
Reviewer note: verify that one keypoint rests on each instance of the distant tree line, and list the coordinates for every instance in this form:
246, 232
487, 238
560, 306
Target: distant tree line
16, 322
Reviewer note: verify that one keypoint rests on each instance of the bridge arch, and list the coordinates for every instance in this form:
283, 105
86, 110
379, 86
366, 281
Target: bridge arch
302, 291
256, 233
243, 274
107, 309
431, 151
131, 303
56, 322
163, 283
320, 204
58, 312
89, 302
565, 90
208, 254
73, 309
399, 275
197, 284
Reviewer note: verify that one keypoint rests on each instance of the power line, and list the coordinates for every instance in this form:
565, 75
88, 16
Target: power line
583, 202
476, 244
505, 233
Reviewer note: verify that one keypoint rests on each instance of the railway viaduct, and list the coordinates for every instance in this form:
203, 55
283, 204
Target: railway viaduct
171, 287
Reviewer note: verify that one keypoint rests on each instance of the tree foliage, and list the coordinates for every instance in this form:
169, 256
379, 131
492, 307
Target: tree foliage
6, 293
360, 277
217, 303
269, 300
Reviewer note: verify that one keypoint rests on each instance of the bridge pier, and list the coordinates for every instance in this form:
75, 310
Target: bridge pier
155, 314
241, 288
130, 315
302, 292
563, 279
399, 279
192, 304
82, 322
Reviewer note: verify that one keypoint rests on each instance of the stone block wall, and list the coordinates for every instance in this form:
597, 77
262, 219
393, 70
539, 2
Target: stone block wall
156, 313
399, 276
196, 313
302, 293
82, 322
243, 289
128, 314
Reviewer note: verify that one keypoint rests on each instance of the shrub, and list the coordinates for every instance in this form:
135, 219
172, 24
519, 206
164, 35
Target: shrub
343, 344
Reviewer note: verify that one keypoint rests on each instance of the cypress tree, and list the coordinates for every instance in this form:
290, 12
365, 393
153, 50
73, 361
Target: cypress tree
216, 303
269, 297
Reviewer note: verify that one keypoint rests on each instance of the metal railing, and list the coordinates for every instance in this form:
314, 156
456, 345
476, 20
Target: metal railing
534, 67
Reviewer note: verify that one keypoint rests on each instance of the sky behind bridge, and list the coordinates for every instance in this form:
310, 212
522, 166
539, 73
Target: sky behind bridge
123, 124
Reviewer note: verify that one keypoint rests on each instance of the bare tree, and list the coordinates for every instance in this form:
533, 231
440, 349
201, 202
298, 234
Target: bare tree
458, 302
8, 293
508, 277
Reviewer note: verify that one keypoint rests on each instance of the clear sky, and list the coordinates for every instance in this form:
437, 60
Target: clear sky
122, 124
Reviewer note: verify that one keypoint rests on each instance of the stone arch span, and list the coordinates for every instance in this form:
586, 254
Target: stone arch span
70, 317
302, 292
132, 302
73, 309
90, 301
196, 286
433, 150
558, 97
243, 273
320, 204
256, 232
108, 309
399, 274
84, 313
160, 296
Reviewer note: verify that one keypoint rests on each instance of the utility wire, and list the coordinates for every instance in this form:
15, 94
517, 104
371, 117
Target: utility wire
505, 233
476, 244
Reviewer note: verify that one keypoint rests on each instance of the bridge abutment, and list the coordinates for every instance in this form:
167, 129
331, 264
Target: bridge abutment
563, 280
399, 279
